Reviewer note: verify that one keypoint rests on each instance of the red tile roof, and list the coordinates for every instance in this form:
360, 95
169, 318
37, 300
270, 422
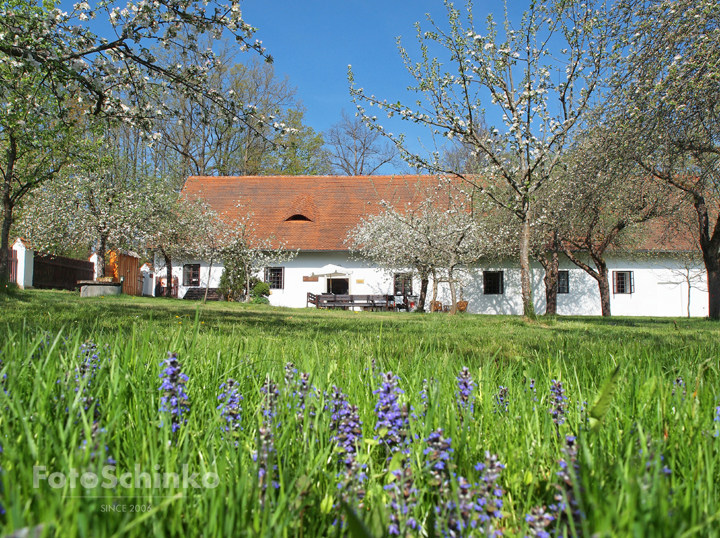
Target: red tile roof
333, 204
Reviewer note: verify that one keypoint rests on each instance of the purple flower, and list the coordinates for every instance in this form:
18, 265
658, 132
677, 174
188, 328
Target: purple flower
290, 374
476, 506
502, 401
558, 401
174, 399
538, 520
489, 494
268, 405
391, 416
437, 461
230, 407
568, 473
464, 397
401, 504
302, 391
425, 393
346, 427
266, 443
679, 384
95, 442
263, 455
85, 374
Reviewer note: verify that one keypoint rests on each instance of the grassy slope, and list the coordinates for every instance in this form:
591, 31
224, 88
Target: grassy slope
623, 495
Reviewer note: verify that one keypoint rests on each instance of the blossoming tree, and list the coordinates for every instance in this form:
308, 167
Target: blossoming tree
100, 208
440, 235
608, 198
665, 99
78, 75
540, 73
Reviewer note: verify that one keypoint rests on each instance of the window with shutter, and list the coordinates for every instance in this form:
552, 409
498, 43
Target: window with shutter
623, 282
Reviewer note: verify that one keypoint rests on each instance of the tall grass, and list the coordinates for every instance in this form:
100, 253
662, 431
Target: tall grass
651, 468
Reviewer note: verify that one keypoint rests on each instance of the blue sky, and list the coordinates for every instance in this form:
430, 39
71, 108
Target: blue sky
314, 41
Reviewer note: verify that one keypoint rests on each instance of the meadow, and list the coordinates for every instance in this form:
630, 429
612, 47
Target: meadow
382, 424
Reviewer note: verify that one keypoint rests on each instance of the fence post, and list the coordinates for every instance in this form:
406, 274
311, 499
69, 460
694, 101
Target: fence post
25, 258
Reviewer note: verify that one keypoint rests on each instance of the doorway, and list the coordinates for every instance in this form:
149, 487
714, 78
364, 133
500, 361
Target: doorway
338, 286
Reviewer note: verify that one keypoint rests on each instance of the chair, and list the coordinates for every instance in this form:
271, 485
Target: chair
436, 306
462, 306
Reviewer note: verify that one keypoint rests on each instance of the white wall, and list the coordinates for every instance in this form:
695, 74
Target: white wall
659, 286
660, 289
25, 263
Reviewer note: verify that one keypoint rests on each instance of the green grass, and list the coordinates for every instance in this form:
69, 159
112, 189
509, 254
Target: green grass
620, 483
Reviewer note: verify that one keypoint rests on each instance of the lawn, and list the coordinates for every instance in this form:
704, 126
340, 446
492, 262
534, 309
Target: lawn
371, 415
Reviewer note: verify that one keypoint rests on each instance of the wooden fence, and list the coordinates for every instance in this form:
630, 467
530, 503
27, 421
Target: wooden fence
60, 272
12, 263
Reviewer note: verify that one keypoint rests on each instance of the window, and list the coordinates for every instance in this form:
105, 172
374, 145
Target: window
191, 274
563, 282
274, 277
493, 283
402, 284
623, 282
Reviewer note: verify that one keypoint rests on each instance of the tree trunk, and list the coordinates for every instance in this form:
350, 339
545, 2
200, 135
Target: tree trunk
525, 276
5, 242
423, 292
453, 300
600, 275
435, 291
689, 292
7, 211
713, 281
710, 246
101, 251
207, 284
168, 275
551, 283
247, 284
604, 286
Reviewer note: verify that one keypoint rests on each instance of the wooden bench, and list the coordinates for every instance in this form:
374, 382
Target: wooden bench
330, 300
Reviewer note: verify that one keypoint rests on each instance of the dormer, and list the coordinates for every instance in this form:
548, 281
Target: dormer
301, 209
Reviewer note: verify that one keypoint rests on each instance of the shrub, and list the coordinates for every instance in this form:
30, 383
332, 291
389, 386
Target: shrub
261, 289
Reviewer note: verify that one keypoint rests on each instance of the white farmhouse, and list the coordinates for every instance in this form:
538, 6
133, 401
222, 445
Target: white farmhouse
313, 214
